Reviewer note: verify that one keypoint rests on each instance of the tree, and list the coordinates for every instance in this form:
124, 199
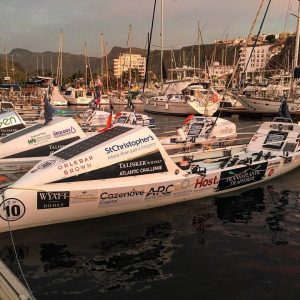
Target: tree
270, 39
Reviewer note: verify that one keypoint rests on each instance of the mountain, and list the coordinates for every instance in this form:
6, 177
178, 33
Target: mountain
28, 62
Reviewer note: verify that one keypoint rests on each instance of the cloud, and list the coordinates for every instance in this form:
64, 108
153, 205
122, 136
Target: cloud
35, 25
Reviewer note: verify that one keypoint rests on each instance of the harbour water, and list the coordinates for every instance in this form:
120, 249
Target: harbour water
241, 245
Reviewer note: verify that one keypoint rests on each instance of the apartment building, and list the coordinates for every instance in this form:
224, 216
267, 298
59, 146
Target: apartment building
127, 61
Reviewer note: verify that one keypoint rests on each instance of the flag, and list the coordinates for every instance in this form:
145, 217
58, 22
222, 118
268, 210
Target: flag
214, 98
188, 119
284, 109
108, 123
3, 178
118, 114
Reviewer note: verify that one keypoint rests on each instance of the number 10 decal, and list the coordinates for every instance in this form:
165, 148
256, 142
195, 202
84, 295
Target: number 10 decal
12, 209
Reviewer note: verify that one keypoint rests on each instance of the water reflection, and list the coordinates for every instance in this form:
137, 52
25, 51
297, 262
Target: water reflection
239, 209
133, 253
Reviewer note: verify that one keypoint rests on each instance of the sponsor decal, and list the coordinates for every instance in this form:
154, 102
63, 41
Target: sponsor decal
275, 139
39, 138
254, 138
155, 192
182, 188
63, 132
153, 164
55, 147
271, 172
274, 164
202, 183
241, 176
134, 143
47, 200
130, 147
121, 198
84, 196
8, 130
76, 165
12, 209
46, 164
8, 121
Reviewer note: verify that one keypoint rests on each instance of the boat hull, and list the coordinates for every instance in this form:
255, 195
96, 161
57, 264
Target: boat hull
174, 108
56, 203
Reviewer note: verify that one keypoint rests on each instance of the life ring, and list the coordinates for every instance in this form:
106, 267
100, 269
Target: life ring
214, 98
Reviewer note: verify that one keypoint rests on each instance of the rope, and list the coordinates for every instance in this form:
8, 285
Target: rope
16, 254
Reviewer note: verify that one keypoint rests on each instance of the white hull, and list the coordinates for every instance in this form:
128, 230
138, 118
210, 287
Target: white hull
260, 104
57, 99
126, 169
266, 105
174, 108
83, 201
79, 101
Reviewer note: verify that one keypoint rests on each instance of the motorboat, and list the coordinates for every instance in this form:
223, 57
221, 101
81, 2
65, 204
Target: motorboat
134, 118
21, 150
126, 168
201, 131
194, 99
96, 118
10, 121
78, 96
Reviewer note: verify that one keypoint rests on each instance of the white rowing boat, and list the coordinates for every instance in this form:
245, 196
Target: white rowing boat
126, 168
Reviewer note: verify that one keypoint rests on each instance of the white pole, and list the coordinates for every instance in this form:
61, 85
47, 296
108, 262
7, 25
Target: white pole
161, 43
296, 54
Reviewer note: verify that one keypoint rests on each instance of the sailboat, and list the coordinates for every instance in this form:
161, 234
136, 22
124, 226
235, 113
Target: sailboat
267, 99
57, 98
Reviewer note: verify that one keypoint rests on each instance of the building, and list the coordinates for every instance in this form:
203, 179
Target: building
125, 61
220, 71
258, 61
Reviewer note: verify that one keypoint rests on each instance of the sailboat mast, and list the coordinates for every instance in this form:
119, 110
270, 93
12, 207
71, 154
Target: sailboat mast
37, 66
61, 56
86, 67
51, 66
129, 45
6, 62
101, 54
106, 65
161, 44
43, 73
199, 53
296, 54
13, 68
59, 60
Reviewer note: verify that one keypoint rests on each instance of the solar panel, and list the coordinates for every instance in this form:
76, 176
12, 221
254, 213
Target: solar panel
91, 142
19, 133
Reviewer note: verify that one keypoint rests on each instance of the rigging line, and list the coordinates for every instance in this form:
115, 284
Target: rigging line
149, 46
15, 252
287, 15
256, 40
242, 52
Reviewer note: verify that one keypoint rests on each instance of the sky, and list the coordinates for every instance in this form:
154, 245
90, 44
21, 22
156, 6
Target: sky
35, 24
